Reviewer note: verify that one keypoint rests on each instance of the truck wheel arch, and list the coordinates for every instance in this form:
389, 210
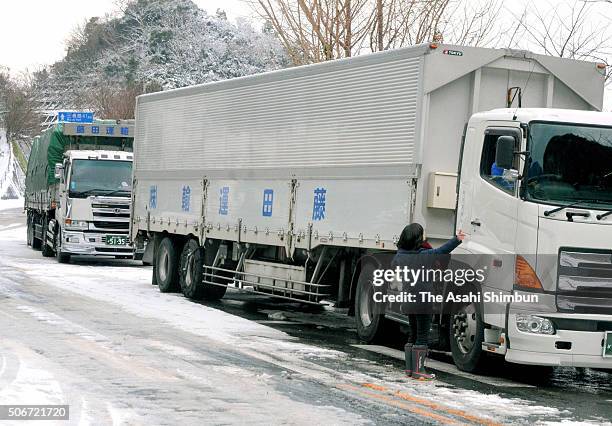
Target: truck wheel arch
363, 260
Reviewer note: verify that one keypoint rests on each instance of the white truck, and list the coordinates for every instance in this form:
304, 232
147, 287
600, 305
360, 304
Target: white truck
289, 183
78, 190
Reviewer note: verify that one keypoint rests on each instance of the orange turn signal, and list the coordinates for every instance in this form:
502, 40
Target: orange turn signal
524, 275
433, 46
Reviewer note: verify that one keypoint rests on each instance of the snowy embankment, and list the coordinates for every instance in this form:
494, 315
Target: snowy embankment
9, 185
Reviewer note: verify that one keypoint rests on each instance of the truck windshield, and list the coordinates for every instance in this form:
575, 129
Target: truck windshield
100, 177
570, 163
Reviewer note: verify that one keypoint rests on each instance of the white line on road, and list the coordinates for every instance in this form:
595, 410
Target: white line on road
3, 365
446, 368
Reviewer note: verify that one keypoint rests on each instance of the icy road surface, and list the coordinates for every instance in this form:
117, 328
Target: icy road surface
99, 337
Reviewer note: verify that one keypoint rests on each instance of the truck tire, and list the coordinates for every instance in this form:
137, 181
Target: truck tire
220, 279
59, 255
369, 316
166, 270
47, 244
218, 290
466, 334
30, 232
190, 270
36, 243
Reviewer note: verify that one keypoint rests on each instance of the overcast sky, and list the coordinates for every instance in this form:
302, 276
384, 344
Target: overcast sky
33, 32
29, 40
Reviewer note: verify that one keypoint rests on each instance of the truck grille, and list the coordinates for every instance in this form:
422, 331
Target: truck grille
104, 225
111, 215
584, 283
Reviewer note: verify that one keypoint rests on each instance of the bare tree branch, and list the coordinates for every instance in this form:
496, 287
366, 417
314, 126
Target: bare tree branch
320, 30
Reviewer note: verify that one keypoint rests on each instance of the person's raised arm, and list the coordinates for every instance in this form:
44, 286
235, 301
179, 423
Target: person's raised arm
447, 247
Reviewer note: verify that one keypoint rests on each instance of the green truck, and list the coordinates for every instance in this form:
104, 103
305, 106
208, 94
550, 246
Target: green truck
79, 190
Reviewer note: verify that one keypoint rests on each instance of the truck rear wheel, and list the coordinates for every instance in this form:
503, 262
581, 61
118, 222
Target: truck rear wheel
36, 243
166, 269
369, 316
466, 337
217, 281
47, 242
30, 232
190, 270
216, 291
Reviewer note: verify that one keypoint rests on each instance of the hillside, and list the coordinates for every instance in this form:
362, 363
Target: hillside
153, 45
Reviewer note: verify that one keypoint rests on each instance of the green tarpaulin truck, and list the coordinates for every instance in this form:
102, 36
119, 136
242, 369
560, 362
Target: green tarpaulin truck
78, 190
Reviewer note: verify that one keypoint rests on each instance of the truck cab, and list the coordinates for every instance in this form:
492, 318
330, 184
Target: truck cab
94, 203
79, 190
535, 193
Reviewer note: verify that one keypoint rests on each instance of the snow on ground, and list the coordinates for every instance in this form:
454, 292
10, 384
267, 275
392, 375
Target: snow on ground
14, 203
8, 168
128, 286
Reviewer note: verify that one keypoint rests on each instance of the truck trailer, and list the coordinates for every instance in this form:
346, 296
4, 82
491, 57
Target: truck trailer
78, 190
290, 183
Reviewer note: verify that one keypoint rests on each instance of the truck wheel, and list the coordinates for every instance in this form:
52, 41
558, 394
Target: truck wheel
47, 250
220, 279
30, 233
466, 337
369, 316
190, 270
36, 243
166, 270
59, 255
217, 291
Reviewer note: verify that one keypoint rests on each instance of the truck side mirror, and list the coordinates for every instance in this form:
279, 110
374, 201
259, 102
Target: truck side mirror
59, 170
504, 152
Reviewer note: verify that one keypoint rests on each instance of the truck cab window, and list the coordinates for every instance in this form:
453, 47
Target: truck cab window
570, 163
100, 177
489, 170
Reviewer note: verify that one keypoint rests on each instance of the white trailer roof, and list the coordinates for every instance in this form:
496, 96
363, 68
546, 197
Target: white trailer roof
525, 115
570, 71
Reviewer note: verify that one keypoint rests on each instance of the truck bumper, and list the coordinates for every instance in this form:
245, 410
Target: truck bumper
568, 348
92, 244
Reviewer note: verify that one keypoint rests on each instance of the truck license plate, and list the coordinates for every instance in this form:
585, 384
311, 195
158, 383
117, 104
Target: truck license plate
116, 240
607, 349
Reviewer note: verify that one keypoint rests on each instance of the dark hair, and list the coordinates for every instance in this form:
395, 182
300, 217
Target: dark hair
411, 237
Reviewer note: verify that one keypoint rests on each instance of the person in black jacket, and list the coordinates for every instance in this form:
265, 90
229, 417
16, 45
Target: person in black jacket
411, 253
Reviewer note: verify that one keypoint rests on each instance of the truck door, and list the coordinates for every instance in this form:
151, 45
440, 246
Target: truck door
494, 201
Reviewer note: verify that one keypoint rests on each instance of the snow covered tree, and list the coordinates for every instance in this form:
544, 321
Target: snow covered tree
156, 45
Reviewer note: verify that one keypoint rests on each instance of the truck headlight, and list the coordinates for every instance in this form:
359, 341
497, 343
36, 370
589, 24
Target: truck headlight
534, 324
72, 238
76, 224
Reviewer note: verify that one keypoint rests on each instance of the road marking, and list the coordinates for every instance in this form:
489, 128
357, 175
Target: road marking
398, 399
8, 315
3, 365
10, 226
432, 405
446, 368
392, 401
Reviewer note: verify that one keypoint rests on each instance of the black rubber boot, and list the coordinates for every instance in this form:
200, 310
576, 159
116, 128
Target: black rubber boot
419, 353
408, 353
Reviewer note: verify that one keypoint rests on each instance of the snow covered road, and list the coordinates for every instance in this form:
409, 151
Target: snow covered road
97, 336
